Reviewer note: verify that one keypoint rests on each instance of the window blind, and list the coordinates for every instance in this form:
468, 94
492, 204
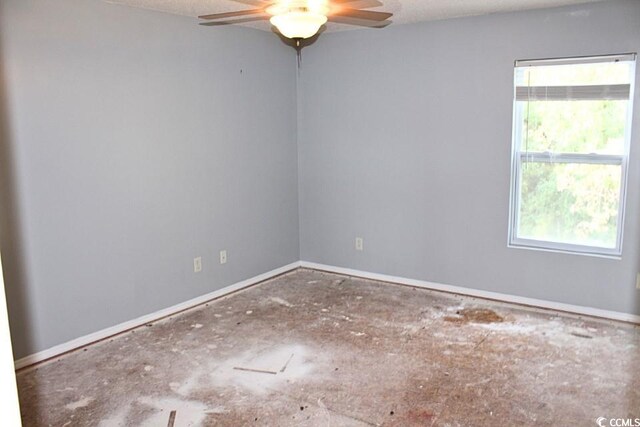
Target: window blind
573, 93
575, 60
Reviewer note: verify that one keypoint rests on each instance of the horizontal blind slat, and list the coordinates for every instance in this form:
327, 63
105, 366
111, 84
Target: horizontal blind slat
569, 93
575, 60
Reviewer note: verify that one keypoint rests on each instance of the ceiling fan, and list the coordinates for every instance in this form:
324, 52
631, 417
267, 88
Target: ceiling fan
302, 19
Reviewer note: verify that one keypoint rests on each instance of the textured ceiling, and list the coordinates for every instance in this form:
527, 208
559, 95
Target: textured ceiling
404, 11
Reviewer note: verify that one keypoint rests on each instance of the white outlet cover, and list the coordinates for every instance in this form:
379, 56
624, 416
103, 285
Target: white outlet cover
223, 257
197, 265
359, 243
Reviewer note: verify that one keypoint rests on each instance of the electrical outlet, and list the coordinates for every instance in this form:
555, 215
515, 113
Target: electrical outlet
638, 281
359, 244
197, 265
223, 257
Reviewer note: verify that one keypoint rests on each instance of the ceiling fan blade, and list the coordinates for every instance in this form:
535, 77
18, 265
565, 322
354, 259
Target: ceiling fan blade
235, 21
231, 14
368, 15
366, 4
259, 3
358, 22
358, 4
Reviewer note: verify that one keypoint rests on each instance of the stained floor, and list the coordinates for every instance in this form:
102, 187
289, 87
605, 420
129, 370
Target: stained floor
318, 349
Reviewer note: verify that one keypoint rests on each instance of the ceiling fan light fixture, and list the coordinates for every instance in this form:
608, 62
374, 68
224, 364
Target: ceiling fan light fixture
298, 24
302, 19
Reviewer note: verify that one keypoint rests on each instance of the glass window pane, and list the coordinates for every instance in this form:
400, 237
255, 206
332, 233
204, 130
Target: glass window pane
575, 74
573, 126
569, 203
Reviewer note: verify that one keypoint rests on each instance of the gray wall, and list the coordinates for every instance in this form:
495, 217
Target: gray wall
405, 139
133, 141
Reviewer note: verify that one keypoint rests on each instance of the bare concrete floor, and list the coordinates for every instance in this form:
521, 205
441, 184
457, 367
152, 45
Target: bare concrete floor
311, 348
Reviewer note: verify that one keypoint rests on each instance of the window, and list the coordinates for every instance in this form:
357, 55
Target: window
571, 134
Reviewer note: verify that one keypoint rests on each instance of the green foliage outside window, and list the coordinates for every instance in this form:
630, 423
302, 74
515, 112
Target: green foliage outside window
575, 203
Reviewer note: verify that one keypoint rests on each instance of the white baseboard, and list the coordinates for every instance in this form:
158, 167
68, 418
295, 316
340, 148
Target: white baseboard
122, 327
569, 308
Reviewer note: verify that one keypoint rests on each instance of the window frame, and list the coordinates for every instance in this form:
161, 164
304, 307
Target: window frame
519, 158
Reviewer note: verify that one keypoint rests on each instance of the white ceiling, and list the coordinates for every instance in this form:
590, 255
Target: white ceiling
404, 11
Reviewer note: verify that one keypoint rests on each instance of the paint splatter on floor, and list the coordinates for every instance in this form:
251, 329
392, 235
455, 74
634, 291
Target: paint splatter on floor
317, 349
79, 403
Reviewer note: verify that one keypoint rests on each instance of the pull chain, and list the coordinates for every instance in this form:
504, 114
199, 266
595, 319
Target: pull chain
298, 48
